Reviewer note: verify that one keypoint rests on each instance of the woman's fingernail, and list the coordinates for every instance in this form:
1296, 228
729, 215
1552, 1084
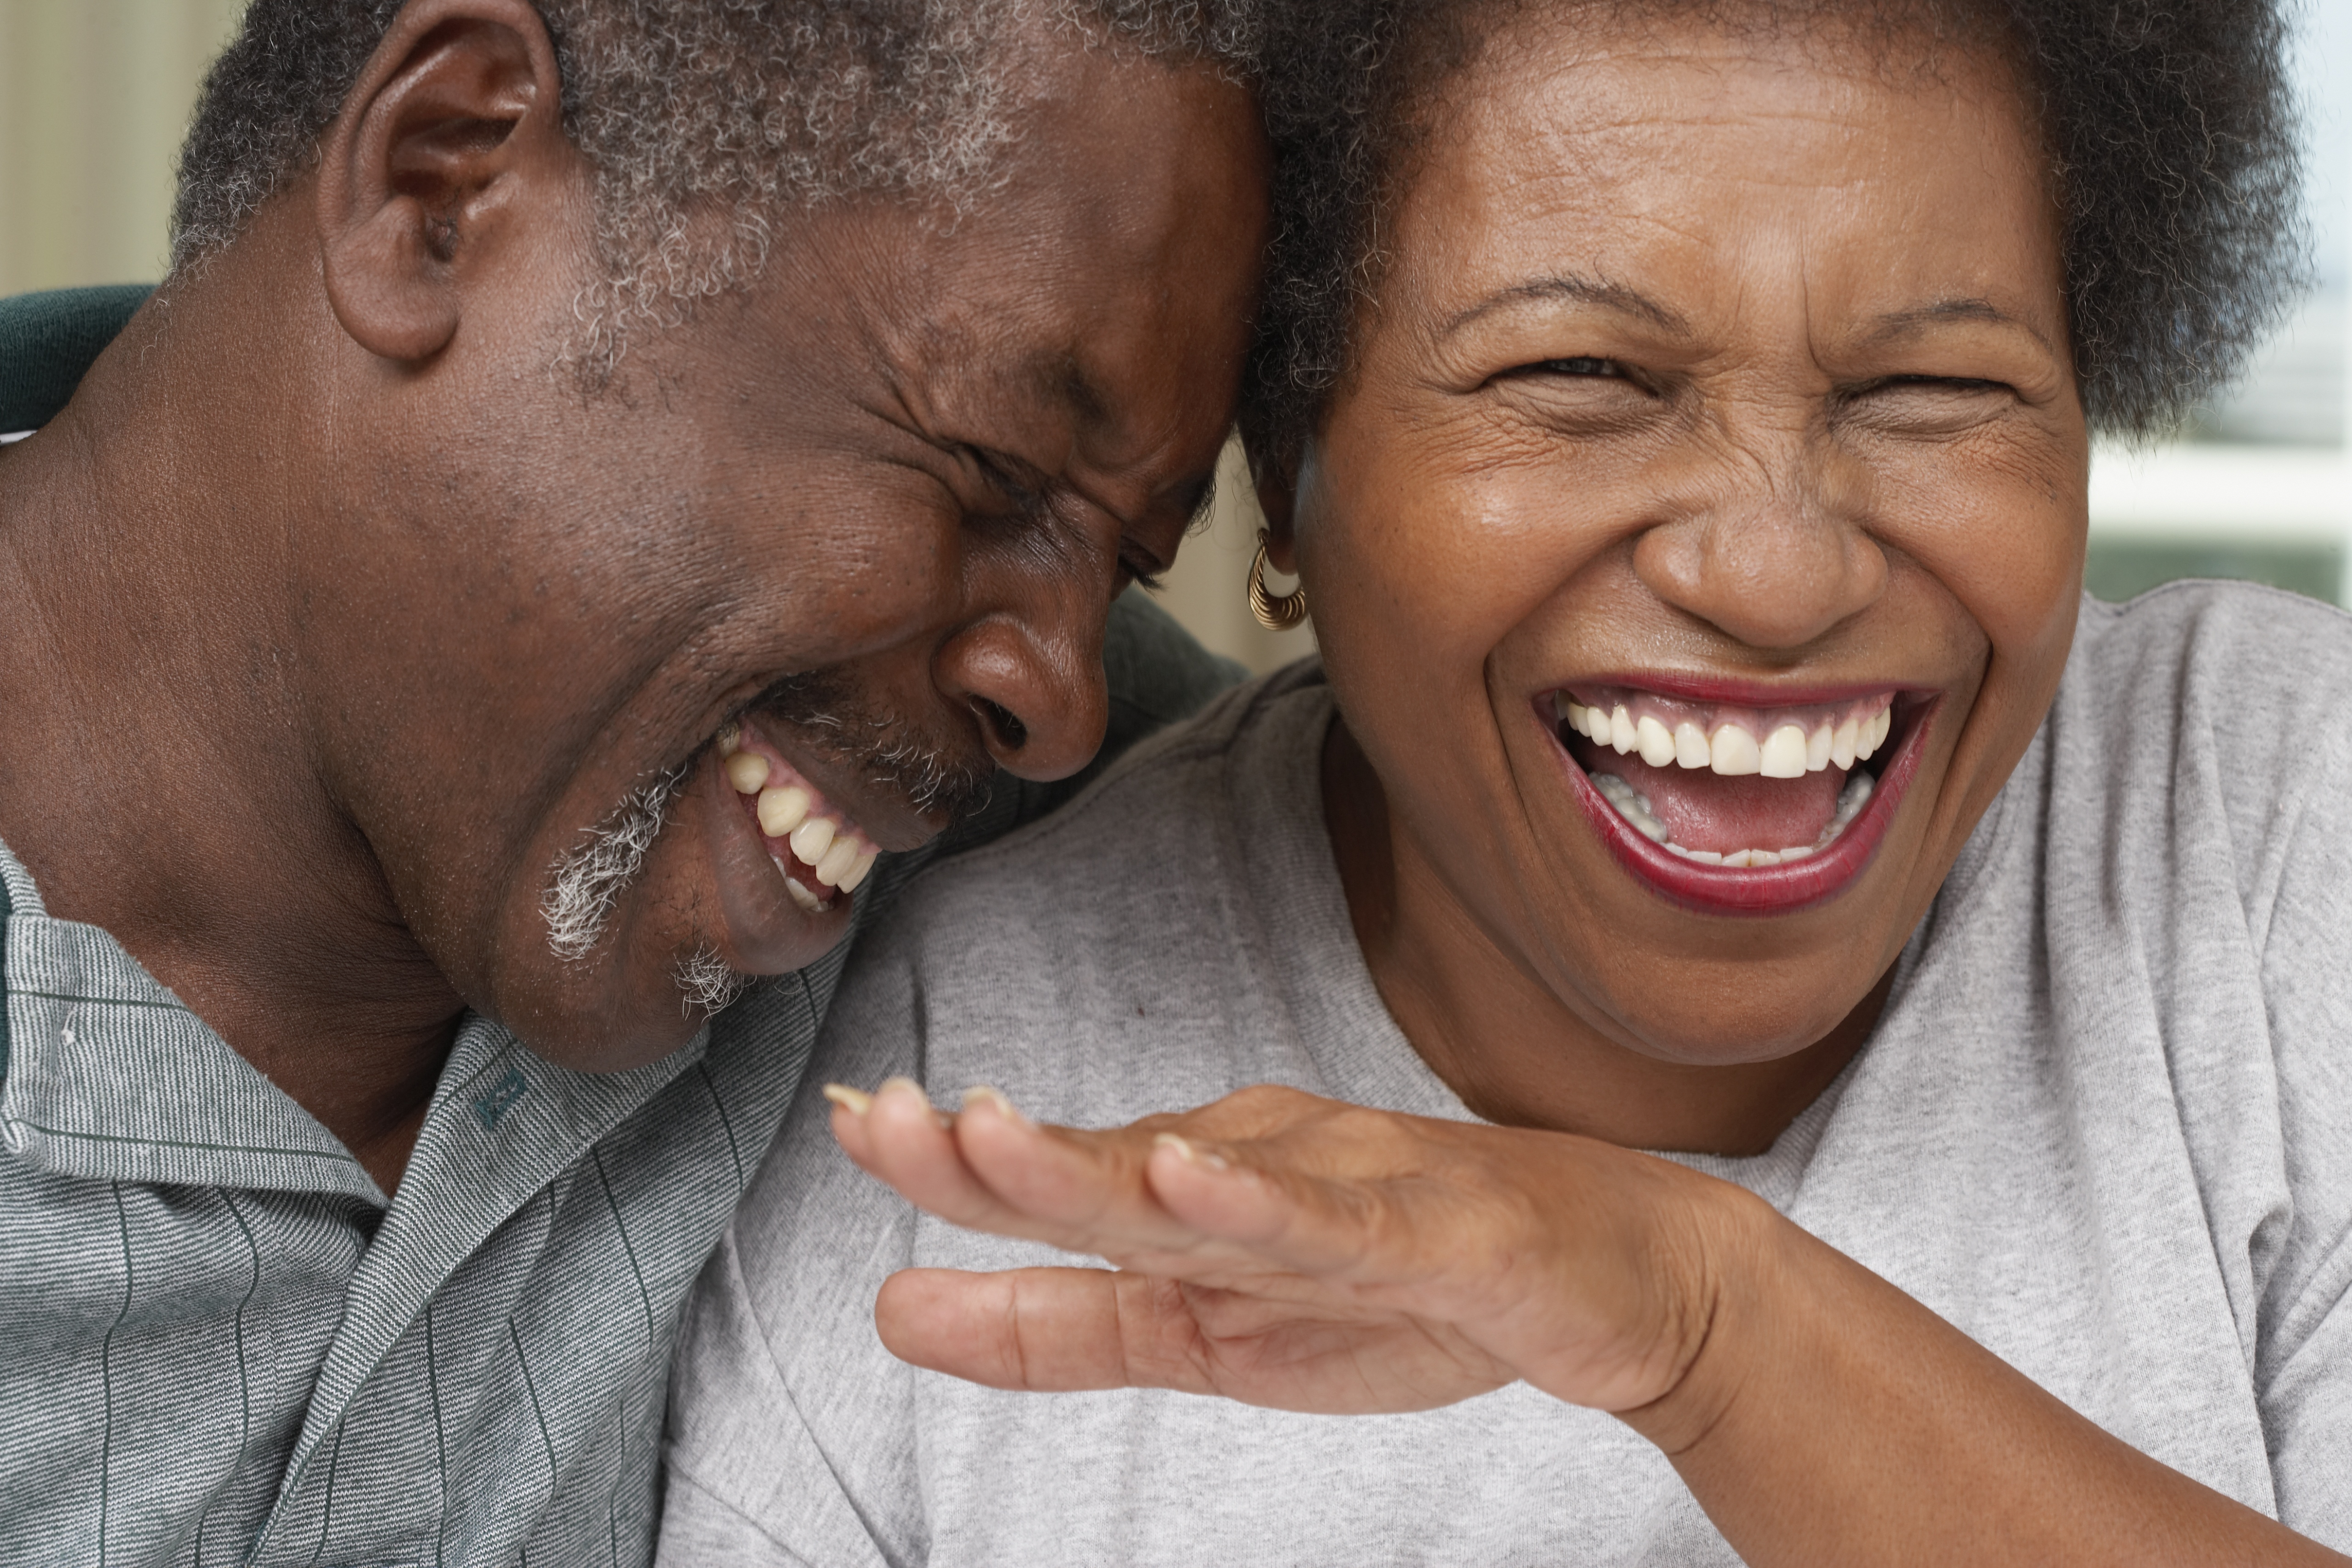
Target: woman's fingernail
1188, 1154
856, 1102
904, 1082
995, 1098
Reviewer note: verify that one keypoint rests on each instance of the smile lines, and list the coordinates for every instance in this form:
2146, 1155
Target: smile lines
804, 830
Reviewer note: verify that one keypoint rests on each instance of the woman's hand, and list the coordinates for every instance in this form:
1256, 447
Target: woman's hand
1283, 1249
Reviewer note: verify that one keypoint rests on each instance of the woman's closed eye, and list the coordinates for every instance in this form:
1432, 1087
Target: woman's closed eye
1576, 389
1928, 404
1141, 570
1576, 368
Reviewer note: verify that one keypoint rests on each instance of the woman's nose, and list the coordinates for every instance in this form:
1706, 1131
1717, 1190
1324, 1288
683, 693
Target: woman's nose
1034, 684
1774, 554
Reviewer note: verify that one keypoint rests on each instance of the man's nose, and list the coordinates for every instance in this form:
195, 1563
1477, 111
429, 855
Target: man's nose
1770, 546
1032, 678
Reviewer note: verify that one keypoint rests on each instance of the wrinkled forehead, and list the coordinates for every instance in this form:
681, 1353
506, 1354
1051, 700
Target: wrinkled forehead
1461, 65
1663, 139
1113, 269
1450, 46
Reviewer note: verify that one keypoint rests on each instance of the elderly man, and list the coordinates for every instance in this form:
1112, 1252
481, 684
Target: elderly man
599, 473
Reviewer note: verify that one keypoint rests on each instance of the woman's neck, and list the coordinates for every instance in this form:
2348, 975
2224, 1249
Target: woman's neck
1513, 1049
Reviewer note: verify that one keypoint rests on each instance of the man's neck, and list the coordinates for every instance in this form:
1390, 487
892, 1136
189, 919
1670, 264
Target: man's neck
158, 770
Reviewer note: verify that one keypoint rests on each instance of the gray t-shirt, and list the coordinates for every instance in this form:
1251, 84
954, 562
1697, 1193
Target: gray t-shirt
2105, 1127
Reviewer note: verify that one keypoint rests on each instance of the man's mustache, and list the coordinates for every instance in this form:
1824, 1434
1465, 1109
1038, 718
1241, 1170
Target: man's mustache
886, 752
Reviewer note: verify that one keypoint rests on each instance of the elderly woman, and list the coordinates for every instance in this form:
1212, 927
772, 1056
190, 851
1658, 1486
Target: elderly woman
1678, 416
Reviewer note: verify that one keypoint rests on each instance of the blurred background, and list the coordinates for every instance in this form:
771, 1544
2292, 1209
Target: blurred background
94, 95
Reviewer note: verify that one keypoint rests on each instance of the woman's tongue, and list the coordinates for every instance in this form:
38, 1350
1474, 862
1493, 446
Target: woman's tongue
1707, 810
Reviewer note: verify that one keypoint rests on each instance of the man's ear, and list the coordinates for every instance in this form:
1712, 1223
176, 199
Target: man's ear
456, 112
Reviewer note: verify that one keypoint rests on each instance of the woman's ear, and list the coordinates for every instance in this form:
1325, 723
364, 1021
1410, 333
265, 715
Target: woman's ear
1278, 497
455, 122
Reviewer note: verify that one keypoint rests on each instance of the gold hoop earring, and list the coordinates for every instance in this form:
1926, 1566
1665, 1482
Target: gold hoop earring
1275, 613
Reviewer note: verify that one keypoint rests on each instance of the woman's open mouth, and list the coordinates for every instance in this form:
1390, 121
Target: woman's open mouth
1730, 807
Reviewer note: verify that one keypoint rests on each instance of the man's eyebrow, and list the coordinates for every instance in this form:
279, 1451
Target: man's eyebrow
1583, 290
1895, 324
1060, 380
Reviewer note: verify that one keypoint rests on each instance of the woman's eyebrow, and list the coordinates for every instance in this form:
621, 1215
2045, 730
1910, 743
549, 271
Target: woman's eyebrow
1895, 324
1583, 290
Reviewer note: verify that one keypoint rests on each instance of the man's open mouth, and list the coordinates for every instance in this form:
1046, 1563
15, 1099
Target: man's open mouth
1732, 808
816, 847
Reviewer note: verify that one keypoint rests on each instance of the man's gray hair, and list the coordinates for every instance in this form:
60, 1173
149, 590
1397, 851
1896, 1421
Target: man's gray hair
588, 879
705, 119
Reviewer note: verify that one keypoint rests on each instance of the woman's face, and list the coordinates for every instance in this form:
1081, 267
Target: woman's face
1718, 401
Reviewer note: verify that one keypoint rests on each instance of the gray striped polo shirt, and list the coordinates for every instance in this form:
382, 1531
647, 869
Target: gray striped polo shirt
221, 1343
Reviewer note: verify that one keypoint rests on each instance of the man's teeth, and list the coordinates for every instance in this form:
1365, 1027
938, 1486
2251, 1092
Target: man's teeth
812, 839
784, 809
1786, 748
789, 809
1634, 806
746, 771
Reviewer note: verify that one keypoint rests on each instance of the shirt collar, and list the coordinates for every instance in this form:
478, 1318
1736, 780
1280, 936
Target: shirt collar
110, 1076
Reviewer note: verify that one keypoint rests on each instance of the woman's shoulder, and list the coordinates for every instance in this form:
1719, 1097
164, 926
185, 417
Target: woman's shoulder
1107, 952
1158, 831
2228, 697
2182, 647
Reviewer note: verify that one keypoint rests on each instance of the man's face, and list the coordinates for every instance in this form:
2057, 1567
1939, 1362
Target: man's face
624, 690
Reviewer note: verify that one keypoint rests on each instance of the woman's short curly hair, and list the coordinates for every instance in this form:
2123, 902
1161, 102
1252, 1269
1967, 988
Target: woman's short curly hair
2169, 126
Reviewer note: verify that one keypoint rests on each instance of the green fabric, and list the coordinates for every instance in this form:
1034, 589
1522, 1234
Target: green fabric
48, 341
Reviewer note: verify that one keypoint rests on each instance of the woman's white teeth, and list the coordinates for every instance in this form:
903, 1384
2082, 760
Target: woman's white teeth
1784, 754
1790, 748
782, 809
1732, 750
1634, 806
